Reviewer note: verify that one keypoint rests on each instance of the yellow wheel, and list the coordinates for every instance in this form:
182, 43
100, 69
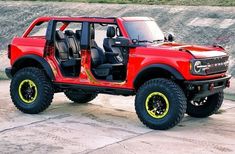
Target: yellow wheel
28, 91
160, 103
157, 105
31, 91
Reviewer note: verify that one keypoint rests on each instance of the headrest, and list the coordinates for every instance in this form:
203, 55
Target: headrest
92, 33
78, 34
110, 32
69, 32
60, 35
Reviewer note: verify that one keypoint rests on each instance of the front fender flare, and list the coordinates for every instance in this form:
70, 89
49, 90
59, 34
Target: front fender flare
165, 67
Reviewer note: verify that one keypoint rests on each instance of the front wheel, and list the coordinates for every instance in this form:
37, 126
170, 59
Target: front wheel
31, 91
160, 104
205, 106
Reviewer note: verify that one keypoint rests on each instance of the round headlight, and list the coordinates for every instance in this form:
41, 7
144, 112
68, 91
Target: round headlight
196, 68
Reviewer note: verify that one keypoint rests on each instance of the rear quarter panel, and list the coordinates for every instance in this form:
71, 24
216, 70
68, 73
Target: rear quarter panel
21, 46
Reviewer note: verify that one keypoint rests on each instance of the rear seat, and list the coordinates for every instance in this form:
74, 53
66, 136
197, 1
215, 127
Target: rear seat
62, 46
74, 44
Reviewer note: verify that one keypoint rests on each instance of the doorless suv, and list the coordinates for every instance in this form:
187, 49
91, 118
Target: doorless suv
70, 55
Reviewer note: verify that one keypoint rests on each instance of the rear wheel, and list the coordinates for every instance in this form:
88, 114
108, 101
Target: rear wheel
31, 91
205, 106
80, 96
160, 104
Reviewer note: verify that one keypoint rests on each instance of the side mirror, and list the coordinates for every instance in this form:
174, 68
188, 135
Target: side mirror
135, 41
121, 41
170, 37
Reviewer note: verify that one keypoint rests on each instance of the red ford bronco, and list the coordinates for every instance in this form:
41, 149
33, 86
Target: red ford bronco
84, 56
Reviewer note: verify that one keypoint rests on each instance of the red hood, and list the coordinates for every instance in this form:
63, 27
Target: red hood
195, 50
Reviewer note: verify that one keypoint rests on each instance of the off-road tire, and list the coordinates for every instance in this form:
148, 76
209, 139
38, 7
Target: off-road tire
177, 103
79, 96
45, 90
210, 107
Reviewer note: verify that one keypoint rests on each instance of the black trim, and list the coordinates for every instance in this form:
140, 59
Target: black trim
195, 93
40, 60
50, 31
8, 72
85, 37
96, 89
200, 82
170, 69
9, 51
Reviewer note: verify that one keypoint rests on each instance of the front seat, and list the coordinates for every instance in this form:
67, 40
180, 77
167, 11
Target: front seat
100, 66
114, 54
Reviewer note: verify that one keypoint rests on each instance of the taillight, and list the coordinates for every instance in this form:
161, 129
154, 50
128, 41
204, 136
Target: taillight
9, 51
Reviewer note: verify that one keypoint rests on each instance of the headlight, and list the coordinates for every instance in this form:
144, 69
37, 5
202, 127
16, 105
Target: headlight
198, 68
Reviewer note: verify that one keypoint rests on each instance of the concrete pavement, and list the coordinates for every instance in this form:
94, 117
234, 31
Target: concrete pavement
108, 124
230, 92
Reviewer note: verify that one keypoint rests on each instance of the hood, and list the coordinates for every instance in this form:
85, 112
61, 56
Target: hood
195, 50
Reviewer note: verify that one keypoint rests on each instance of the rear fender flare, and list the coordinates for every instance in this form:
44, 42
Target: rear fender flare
41, 61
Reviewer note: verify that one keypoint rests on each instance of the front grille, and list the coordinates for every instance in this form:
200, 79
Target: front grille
216, 65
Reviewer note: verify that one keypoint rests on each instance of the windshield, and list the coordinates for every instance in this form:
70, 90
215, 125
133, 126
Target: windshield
144, 31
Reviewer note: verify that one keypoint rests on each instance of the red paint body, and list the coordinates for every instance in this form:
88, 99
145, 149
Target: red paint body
139, 57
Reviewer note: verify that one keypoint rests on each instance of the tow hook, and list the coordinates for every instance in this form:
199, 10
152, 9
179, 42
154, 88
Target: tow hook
211, 86
228, 84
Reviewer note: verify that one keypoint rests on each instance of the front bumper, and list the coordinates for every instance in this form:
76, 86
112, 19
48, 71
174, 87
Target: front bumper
203, 88
8, 72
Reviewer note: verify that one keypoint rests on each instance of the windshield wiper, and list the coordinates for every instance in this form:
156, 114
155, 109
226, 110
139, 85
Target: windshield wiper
156, 41
147, 41
144, 41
